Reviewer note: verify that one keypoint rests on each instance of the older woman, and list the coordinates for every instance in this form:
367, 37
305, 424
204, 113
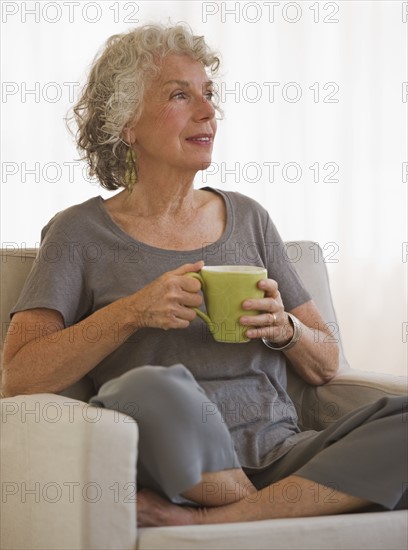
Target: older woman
109, 298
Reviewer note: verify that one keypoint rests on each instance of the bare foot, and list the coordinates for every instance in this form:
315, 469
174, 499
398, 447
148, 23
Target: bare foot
155, 511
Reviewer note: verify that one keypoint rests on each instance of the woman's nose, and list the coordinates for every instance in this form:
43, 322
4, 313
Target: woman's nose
203, 109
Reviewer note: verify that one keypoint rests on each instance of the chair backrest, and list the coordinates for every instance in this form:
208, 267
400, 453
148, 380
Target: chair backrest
311, 267
15, 265
306, 256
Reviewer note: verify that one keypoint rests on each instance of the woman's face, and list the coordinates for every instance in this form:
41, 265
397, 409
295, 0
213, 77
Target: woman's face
177, 125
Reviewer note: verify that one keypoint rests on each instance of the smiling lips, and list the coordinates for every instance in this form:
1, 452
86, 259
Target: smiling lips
201, 139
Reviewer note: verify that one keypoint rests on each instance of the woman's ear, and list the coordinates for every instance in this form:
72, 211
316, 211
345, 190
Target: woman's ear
129, 134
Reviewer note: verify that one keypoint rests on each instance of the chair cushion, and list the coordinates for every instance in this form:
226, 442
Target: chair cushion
350, 531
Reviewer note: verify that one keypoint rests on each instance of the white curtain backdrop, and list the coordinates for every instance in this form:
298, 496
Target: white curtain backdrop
315, 128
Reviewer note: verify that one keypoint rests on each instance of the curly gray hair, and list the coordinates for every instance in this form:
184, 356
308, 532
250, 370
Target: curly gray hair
115, 88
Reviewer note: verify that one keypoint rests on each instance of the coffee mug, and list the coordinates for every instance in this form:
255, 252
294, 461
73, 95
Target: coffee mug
225, 288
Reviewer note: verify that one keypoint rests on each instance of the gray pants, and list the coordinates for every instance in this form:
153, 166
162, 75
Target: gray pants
363, 454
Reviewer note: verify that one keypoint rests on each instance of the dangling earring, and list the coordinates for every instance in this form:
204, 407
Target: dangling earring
130, 174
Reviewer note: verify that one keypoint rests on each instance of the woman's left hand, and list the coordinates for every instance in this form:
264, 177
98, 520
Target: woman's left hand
273, 322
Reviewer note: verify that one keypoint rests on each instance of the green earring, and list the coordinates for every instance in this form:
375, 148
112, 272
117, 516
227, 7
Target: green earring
130, 174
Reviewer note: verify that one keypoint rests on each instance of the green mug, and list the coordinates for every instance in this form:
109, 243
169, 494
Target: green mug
225, 288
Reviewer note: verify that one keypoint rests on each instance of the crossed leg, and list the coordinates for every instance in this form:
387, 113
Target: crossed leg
293, 496
365, 445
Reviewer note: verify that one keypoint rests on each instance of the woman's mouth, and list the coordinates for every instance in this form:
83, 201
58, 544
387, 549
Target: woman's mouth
201, 139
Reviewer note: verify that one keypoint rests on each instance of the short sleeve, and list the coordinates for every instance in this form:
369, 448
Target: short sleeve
57, 279
281, 267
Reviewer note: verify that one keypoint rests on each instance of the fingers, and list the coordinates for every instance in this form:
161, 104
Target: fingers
264, 320
189, 284
270, 287
167, 302
272, 300
273, 326
263, 304
186, 268
181, 293
272, 321
191, 299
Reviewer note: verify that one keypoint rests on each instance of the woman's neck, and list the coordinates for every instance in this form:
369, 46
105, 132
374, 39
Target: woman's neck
160, 195
151, 200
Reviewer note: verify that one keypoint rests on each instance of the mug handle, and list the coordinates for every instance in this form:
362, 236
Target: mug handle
201, 314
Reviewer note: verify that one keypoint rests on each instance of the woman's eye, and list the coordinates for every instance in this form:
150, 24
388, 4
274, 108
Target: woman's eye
179, 95
209, 96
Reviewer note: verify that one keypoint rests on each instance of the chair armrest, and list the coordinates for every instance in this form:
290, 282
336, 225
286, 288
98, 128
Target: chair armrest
323, 405
68, 474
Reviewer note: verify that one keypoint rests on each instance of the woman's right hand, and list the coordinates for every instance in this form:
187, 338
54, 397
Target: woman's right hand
167, 302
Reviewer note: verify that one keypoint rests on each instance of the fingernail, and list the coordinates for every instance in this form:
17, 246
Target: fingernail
247, 303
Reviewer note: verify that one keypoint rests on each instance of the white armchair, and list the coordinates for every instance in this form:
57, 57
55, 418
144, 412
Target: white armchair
68, 470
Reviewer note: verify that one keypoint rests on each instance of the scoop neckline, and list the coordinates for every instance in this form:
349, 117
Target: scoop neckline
168, 251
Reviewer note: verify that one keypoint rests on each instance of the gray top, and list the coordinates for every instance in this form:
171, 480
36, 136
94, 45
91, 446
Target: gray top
86, 261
